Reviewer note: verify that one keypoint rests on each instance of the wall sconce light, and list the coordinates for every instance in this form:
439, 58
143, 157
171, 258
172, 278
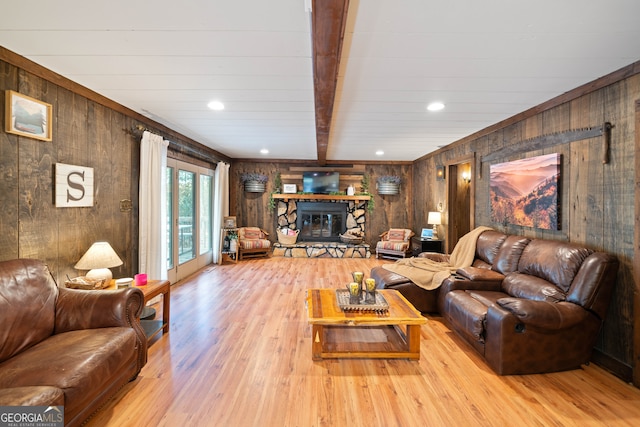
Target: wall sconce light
466, 176
440, 173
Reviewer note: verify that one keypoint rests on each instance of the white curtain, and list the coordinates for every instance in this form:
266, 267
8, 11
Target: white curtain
220, 206
152, 252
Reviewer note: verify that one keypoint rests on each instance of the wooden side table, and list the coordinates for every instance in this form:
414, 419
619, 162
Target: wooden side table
427, 245
152, 289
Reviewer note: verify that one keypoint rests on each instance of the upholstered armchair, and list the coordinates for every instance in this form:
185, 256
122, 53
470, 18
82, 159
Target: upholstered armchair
253, 242
394, 243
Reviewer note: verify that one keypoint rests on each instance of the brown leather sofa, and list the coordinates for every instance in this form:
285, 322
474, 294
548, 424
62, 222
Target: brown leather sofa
62, 346
526, 305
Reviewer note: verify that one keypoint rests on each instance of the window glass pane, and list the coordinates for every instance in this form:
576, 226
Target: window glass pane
205, 213
169, 218
186, 215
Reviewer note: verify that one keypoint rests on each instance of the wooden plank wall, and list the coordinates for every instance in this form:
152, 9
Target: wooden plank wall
93, 133
84, 134
596, 199
9, 188
389, 210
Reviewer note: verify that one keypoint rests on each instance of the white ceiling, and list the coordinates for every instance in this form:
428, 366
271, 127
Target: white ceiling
486, 60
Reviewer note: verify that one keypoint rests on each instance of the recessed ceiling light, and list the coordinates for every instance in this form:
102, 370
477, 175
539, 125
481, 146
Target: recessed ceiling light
216, 105
264, 151
379, 153
435, 106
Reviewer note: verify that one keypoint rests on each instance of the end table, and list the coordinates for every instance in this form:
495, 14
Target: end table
426, 245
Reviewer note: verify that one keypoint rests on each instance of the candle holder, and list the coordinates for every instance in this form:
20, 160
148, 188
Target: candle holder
370, 296
358, 277
354, 292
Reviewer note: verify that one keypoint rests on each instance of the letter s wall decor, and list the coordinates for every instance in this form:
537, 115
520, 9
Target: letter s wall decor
74, 186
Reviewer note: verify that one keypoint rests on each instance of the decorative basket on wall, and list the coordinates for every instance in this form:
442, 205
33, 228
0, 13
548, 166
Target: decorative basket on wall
388, 184
254, 182
254, 187
388, 188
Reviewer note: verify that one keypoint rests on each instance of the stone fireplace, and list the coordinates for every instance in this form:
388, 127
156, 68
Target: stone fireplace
321, 221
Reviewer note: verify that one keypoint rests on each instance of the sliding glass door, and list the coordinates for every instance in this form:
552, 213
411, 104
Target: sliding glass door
186, 215
206, 214
189, 196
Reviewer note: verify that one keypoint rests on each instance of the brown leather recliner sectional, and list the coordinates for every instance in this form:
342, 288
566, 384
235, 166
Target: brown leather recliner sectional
65, 347
526, 305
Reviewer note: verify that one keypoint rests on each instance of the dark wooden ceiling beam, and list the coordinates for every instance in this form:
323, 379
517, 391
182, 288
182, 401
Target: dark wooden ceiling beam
328, 20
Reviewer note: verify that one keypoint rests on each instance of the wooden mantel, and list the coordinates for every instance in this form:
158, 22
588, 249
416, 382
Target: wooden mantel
319, 197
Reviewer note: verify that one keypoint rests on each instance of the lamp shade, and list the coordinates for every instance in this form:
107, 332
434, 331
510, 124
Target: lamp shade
99, 258
434, 218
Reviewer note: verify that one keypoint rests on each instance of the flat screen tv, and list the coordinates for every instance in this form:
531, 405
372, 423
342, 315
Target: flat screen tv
320, 182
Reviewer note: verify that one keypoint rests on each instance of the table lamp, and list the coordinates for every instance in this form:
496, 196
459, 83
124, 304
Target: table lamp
99, 259
435, 219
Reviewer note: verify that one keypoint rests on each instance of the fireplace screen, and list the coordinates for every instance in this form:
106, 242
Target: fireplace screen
322, 222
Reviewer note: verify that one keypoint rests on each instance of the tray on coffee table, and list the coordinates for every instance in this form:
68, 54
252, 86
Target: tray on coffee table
342, 297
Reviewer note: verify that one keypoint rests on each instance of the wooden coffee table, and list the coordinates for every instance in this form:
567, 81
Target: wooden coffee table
390, 335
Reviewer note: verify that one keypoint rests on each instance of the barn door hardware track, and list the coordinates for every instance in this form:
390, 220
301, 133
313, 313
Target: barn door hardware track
544, 141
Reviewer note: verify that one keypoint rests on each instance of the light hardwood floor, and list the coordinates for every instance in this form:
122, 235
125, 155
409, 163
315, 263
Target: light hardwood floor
239, 354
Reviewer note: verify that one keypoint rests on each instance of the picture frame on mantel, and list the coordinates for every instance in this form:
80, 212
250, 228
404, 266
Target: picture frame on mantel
26, 116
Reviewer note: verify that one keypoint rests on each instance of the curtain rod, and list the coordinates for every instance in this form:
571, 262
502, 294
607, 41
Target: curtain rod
182, 148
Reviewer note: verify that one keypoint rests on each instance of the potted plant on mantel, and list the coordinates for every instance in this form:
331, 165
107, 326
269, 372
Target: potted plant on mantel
388, 184
254, 182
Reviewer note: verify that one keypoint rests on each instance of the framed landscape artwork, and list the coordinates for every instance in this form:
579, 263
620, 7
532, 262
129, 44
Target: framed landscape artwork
26, 116
525, 192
